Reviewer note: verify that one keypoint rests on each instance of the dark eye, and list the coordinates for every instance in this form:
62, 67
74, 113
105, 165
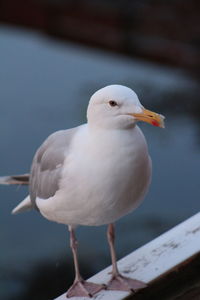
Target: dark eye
112, 103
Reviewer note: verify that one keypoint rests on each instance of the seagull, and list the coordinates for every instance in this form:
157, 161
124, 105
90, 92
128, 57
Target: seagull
93, 175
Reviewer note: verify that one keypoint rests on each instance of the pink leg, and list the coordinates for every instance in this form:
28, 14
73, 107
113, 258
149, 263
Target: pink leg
80, 287
119, 282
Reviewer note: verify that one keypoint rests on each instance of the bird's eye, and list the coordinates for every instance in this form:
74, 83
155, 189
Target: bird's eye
113, 103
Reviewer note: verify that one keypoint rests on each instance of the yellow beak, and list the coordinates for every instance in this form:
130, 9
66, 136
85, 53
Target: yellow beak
150, 117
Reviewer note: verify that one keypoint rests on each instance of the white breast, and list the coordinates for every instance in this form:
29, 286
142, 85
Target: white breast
106, 176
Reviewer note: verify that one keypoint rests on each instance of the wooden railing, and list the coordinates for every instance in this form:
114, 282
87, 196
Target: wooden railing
170, 265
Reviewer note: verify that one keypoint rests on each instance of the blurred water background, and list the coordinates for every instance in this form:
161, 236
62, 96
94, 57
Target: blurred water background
45, 85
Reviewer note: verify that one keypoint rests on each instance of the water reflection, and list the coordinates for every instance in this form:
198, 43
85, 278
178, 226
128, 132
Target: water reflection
46, 280
45, 86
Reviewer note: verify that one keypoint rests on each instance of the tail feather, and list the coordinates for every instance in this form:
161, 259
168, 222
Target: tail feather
23, 206
15, 179
20, 180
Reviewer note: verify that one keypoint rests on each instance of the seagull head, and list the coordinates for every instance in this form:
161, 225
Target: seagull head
118, 107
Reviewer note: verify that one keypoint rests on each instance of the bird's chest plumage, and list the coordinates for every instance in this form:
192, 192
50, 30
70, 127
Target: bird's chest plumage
114, 166
112, 177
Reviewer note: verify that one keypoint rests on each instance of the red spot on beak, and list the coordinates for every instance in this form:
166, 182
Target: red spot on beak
155, 123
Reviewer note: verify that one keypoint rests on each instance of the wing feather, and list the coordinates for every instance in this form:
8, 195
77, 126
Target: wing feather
48, 163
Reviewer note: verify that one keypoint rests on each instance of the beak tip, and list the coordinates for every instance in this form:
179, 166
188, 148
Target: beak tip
162, 123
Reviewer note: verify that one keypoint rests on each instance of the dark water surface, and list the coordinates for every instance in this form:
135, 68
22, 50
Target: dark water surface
45, 85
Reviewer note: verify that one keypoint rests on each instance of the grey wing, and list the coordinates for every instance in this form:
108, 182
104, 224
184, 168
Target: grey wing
47, 165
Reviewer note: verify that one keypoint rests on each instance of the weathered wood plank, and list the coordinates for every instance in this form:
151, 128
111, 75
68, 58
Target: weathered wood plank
158, 261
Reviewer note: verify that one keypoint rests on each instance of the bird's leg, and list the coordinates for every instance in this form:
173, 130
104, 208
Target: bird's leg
80, 287
118, 281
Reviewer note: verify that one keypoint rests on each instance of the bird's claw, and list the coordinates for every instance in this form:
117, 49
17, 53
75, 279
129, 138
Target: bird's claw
82, 288
121, 283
